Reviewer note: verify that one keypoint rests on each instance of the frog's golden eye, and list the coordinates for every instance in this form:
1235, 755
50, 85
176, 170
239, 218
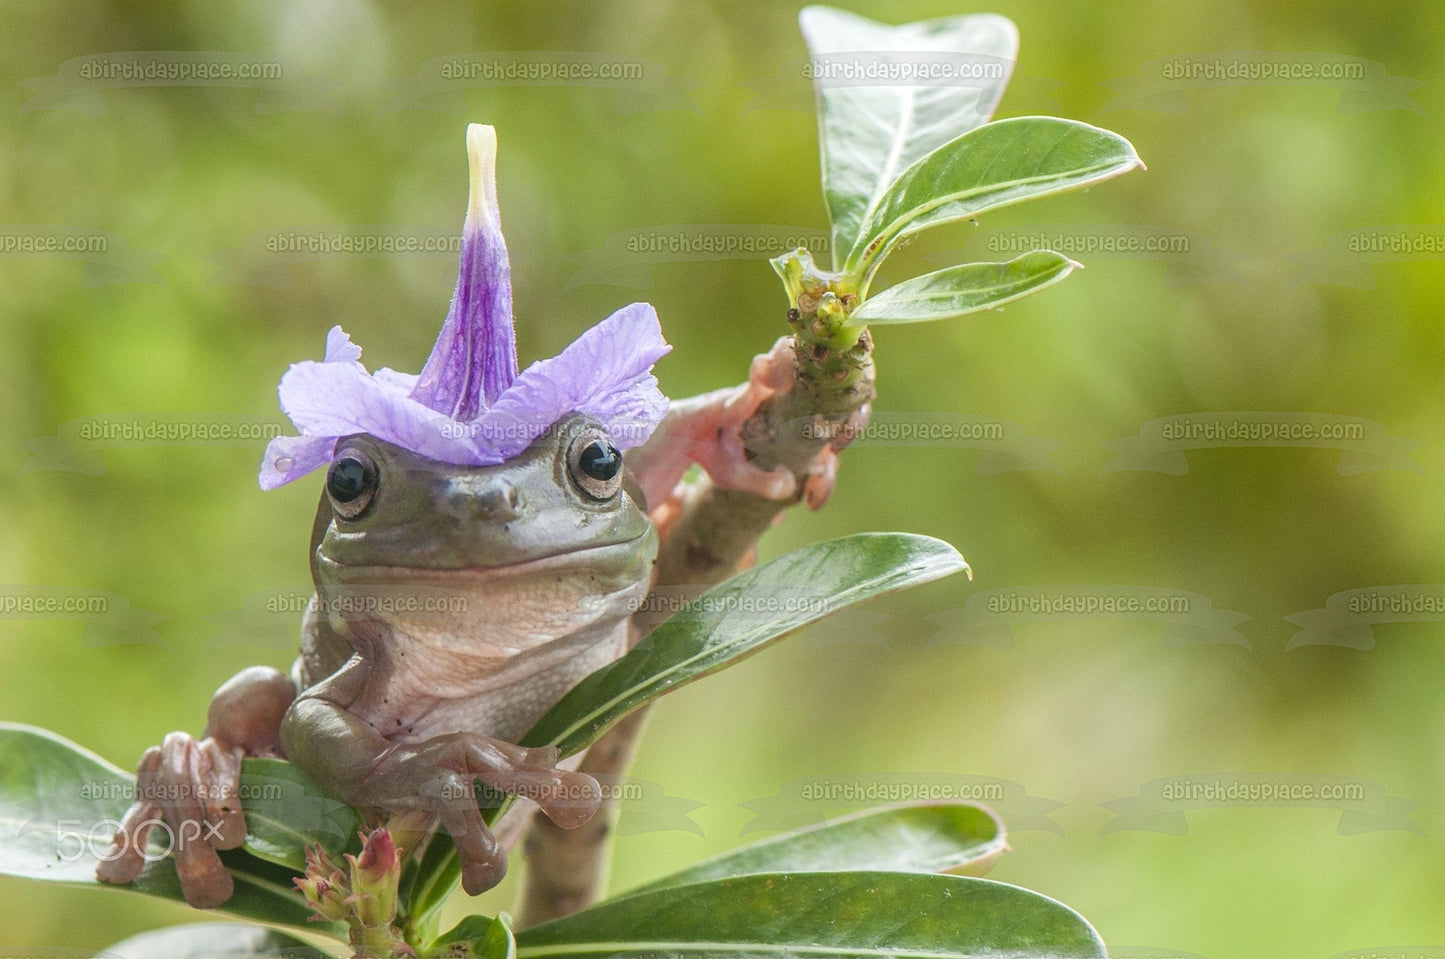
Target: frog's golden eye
351, 483
595, 465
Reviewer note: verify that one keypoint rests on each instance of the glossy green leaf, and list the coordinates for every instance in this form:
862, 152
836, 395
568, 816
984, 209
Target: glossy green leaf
822, 914
286, 811
871, 132
1000, 163
959, 290
740, 617
958, 838
215, 940
59, 806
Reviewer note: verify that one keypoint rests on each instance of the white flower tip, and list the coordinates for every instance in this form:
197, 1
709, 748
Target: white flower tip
482, 189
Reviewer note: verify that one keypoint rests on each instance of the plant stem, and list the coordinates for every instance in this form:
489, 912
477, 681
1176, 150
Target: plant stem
566, 867
713, 536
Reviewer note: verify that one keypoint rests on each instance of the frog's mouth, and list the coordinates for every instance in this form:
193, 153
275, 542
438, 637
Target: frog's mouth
623, 560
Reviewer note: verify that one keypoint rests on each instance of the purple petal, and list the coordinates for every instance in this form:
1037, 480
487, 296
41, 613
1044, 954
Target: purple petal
289, 458
603, 373
475, 357
292, 457
401, 382
334, 399
339, 348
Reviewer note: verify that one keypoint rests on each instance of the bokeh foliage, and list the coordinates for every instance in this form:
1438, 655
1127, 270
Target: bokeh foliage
1081, 711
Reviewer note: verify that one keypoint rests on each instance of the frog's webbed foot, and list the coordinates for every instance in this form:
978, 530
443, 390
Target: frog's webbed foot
437, 776
190, 788
727, 461
709, 430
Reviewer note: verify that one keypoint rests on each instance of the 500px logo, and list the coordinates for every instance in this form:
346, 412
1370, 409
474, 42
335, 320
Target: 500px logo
104, 841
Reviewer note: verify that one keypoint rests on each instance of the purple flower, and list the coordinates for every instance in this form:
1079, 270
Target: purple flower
469, 406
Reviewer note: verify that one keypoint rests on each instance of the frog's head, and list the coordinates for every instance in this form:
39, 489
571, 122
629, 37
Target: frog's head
566, 499
475, 477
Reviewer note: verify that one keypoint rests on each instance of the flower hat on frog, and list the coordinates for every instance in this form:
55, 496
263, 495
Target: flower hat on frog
469, 406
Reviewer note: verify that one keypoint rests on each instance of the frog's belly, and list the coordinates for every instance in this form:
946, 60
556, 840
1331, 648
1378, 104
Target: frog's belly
448, 686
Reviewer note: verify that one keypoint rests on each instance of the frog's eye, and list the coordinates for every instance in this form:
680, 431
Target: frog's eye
351, 483
595, 465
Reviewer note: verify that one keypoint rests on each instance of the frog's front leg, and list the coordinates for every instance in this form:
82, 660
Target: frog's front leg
192, 786
350, 757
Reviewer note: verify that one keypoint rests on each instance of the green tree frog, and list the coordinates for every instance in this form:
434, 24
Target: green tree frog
504, 493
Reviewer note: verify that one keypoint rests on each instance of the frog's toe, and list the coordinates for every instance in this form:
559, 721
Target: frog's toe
728, 466
821, 479
447, 794
216, 771
568, 798
481, 874
483, 859
204, 880
776, 370
125, 858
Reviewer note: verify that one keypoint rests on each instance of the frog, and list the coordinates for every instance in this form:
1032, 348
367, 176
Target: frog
553, 553
479, 547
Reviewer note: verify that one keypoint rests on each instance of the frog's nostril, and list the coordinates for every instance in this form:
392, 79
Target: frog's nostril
500, 501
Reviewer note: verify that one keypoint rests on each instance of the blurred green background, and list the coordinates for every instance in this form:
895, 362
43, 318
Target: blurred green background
1079, 711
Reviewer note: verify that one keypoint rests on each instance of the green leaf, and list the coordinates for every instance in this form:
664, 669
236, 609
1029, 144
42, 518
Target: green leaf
488, 938
870, 133
959, 838
51, 793
427, 884
740, 617
59, 806
1000, 163
959, 290
286, 811
821, 914
215, 940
